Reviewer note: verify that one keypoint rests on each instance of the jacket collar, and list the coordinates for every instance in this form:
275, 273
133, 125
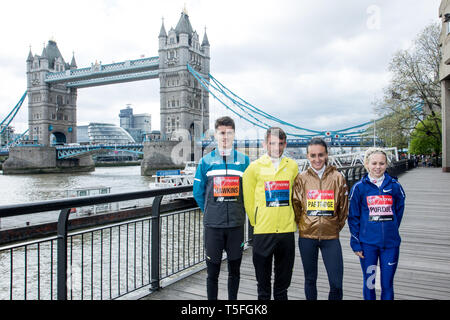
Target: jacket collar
216, 155
266, 161
328, 169
387, 180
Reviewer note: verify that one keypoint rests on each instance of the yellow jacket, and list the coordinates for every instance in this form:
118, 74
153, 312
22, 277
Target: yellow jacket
268, 193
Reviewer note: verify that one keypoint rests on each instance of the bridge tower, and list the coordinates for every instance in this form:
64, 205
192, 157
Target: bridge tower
184, 102
51, 107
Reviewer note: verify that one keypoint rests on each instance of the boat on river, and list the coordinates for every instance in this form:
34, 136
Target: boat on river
86, 192
174, 178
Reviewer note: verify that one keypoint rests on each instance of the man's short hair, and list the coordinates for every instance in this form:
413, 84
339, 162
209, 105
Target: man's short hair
275, 131
224, 121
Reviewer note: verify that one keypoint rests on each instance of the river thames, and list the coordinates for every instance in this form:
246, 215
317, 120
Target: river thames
16, 189
102, 262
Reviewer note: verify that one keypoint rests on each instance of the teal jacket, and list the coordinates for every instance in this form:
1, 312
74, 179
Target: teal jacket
218, 189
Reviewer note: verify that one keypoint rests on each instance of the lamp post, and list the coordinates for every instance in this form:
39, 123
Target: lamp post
374, 133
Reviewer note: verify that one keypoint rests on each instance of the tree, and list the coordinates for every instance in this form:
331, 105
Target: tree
423, 142
393, 129
414, 92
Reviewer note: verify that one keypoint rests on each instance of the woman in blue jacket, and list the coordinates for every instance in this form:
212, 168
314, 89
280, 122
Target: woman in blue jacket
377, 203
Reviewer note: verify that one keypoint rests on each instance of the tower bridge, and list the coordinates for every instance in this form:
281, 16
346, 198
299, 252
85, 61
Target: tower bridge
183, 69
53, 84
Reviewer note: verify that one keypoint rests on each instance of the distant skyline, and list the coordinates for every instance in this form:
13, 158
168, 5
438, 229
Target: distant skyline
318, 64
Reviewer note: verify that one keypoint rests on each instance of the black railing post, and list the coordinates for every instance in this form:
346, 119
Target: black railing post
249, 233
353, 175
156, 244
62, 254
347, 181
361, 173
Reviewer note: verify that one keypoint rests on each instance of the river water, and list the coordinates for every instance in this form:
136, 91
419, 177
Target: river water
101, 263
17, 189
37, 187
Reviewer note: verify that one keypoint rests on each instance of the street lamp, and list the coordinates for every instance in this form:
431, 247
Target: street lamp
374, 133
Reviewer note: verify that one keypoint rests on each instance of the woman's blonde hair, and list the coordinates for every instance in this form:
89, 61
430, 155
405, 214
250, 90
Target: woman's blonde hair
370, 152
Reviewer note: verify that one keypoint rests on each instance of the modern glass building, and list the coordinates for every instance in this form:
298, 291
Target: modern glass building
103, 133
106, 133
137, 125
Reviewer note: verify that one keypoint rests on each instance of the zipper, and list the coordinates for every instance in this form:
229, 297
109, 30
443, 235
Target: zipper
368, 219
278, 210
226, 174
256, 213
382, 223
320, 217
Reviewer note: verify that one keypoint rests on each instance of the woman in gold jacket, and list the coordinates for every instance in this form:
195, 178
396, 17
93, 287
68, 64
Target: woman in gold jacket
320, 201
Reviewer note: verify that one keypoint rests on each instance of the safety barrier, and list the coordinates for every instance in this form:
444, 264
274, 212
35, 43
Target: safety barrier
105, 262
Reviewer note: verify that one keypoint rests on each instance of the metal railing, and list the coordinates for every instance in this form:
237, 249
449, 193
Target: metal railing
112, 260
105, 262
355, 173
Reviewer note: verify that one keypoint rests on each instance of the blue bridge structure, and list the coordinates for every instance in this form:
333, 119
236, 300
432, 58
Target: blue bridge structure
65, 152
71, 151
99, 75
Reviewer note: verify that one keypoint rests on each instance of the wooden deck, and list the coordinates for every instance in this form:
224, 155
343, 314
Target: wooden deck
423, 270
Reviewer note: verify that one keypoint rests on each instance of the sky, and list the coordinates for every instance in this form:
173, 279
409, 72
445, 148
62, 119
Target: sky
318, 64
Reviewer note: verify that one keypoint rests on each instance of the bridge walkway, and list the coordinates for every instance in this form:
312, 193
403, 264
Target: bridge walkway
422, 273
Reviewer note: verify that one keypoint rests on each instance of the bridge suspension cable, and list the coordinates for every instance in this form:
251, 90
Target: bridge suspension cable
246, 110
20, 137
241, 108
10, 117
241, 102
256, 116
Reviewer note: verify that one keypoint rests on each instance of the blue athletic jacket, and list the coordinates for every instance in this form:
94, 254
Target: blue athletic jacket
218, 189
375, 213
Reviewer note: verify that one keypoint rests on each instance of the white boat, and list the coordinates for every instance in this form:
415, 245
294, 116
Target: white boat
175, 178
92, 191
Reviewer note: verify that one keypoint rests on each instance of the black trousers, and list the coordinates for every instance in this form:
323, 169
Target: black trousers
331, 252
216, 241
279, 249
212, 281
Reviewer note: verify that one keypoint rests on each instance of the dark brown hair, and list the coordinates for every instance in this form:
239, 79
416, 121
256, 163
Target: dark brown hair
225, 121
317, 141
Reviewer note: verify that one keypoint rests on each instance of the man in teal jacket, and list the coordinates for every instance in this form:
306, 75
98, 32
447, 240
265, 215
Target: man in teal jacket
218, 193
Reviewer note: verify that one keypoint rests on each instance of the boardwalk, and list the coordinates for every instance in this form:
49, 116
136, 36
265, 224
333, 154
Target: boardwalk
424, 254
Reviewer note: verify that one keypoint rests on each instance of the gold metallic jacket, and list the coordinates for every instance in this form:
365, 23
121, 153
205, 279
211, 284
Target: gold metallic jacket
320, 205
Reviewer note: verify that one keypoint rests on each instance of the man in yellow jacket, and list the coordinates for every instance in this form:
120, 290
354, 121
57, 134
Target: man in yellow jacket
267, 186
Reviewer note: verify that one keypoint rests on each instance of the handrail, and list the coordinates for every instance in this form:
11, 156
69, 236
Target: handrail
62, 227
51, 205
65, 204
